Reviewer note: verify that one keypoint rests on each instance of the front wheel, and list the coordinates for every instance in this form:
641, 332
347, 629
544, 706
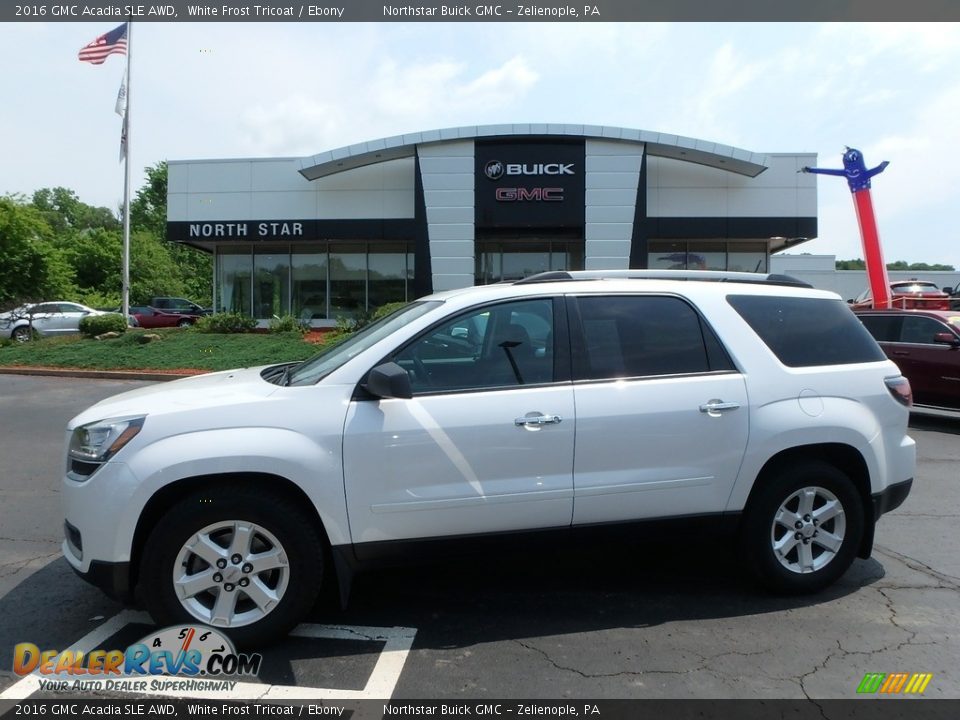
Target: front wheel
802, 529
184, 323
240, 561
21, 334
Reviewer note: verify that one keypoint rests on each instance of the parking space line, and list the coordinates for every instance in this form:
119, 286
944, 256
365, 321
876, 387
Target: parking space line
382, 681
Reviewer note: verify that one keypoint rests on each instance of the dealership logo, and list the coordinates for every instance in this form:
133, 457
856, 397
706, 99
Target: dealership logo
495, 169
899, 683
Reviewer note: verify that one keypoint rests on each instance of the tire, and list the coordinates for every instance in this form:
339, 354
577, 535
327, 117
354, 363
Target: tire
802, 529
21, 334
190, 574
184, 323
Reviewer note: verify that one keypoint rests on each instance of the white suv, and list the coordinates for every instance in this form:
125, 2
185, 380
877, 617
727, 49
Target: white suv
561, 401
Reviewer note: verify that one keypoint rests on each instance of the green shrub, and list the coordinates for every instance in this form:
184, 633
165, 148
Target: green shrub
225, 323
387, 309
93, 325
288, 323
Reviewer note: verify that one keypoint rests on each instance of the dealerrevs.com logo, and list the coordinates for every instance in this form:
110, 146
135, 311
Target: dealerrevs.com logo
187, 653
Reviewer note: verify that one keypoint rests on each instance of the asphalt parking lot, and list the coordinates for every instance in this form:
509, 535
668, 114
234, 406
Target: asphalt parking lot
648, 620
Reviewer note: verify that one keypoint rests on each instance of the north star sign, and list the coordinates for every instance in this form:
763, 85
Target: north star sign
244, 229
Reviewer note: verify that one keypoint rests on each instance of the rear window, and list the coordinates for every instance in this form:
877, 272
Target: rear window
806, 332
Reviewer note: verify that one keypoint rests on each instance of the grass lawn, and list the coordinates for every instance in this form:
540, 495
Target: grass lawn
176, 350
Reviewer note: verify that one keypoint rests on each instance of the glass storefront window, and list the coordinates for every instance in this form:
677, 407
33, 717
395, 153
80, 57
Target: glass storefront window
667, 255
308, 267
387, 275
271, 282
234, 278
348, 280
316, 281
707, 255
747, 256
512, 260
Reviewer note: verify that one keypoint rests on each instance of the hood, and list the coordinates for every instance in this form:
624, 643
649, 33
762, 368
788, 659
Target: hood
230, 387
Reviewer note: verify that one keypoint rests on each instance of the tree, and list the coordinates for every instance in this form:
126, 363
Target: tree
32, 267
63, 211
896, 265
148, 212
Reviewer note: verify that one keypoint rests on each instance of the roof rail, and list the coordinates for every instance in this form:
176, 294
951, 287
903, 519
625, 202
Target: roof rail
695, 275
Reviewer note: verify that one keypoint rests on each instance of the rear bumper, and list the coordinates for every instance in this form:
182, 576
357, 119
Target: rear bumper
891, 498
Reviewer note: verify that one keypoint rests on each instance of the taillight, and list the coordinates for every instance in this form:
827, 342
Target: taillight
899, 387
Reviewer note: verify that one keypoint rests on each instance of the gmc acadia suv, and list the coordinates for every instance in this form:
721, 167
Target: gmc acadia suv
559, 402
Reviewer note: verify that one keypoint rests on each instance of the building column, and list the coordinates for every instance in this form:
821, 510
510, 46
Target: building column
612, 179
447, 174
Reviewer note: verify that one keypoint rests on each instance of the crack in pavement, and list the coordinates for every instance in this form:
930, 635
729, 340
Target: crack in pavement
18, 565
704, 666
945, 579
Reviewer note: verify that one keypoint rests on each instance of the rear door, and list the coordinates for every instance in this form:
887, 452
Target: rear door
661, 410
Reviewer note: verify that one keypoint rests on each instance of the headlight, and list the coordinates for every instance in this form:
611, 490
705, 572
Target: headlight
97, 442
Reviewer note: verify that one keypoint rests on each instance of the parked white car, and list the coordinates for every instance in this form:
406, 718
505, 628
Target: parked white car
563, 401
50, 319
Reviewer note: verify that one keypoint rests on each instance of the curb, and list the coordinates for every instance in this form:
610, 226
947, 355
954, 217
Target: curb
98, 374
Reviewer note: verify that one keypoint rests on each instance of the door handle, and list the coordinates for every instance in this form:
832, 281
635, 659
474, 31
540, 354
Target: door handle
715, 407
537, 420
901, 353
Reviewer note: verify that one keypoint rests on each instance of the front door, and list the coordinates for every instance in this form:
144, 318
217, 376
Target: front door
485, 444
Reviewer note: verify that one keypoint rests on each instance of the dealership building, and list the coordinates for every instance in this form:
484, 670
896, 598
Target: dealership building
348, 230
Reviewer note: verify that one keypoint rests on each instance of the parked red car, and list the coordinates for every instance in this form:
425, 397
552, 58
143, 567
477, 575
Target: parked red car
150, 317
908, 295
925, 345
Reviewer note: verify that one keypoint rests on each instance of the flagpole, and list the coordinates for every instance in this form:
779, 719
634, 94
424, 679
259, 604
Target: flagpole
126, 180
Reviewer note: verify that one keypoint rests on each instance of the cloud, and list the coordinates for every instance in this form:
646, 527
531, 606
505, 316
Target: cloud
399, 97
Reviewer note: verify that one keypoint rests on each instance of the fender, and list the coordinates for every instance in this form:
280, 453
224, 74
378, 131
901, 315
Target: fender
314, 468
782, 426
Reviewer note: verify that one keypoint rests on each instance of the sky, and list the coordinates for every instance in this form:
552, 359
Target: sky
240, 90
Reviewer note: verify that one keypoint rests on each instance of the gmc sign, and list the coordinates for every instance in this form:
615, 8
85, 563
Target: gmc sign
553, 194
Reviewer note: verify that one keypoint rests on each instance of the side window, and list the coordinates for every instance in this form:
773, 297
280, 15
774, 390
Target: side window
808, 331
46, 308
920, 330
637, 336
495, 346
884, 328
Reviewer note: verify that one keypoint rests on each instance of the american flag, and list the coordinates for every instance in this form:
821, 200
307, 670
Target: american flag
107, 44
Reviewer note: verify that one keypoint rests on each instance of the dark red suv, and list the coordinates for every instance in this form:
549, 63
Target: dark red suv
925, 345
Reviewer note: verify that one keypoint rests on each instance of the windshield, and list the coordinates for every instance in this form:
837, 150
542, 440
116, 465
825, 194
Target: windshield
332, 358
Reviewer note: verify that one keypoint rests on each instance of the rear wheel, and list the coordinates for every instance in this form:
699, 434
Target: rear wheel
241, 561
802, 529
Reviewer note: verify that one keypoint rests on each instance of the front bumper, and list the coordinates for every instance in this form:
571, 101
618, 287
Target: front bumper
891, 498
112, 578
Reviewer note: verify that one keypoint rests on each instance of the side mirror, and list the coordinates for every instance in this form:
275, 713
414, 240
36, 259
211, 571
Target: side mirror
948, 290
947, 339
389, 381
